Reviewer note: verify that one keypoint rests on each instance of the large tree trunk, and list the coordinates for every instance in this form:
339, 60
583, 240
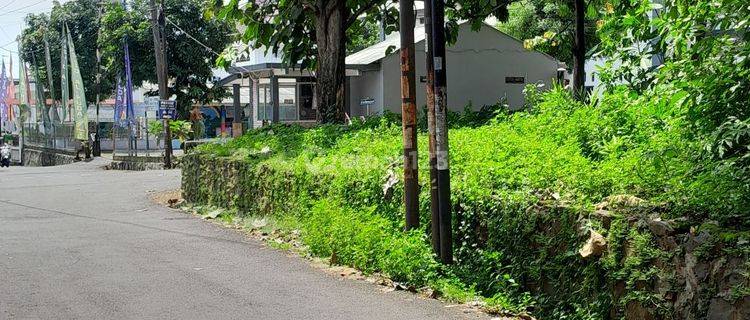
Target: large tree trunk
579, 49
331, 76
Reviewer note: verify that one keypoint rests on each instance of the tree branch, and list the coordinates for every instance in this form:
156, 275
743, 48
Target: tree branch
309, 4
353, 17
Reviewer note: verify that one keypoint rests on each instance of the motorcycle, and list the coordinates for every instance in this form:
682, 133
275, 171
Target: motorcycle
5, 156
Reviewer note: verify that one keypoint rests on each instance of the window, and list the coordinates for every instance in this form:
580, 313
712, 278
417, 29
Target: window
296, 100
287, 102
265, 105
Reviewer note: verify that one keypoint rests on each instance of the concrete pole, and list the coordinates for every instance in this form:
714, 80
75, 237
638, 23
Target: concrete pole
434, 202
441, 131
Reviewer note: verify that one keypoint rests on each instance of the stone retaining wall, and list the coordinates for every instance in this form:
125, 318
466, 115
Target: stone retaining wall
43, 157
136, 163
645, 268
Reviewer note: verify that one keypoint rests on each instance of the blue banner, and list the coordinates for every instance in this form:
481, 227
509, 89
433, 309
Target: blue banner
128, 88
120, 111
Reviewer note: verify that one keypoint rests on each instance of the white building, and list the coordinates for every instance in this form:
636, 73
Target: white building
483, 68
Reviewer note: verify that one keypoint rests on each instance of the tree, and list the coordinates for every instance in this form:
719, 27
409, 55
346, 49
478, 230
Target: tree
190, 63
309, 32
550, 26
81, 18
192, 44
312, 34
362, 36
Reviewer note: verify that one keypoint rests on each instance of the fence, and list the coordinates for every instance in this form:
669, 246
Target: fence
132, 140
59, 136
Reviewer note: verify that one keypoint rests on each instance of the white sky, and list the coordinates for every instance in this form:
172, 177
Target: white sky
12, 14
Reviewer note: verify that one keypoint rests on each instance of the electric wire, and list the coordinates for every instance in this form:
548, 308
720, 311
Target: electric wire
21, 8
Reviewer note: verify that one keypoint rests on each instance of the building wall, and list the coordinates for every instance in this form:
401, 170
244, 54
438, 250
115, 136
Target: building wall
369, 84
477, 66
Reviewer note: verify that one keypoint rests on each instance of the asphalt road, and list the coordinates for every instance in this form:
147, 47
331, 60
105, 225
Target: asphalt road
78, 242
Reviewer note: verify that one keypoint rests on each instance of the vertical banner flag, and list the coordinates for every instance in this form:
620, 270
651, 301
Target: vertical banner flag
80, 109
3, 100
24, 101
23, 97
120, 112
48, 63
11, 93
41, 109
128, 88
65, 98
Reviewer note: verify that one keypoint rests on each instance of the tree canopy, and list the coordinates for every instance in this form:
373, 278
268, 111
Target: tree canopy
313, 34
547, 26
81, 17
189, 62
192, 44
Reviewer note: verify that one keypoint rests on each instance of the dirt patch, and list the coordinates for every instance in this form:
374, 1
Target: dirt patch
169, 198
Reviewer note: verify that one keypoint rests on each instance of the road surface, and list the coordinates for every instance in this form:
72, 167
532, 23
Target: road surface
79, 242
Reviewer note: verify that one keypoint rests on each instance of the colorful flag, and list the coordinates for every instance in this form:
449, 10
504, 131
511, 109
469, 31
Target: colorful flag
65, 91
80, 109
3, 96
11, 93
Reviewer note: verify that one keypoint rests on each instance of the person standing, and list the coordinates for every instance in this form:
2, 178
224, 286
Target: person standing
199, 128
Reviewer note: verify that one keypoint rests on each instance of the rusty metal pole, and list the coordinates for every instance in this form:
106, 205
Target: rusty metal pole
429, 68
441, 131
409, 113
157, 25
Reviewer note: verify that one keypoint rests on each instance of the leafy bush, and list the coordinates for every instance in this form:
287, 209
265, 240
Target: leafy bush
522, 183
181, 129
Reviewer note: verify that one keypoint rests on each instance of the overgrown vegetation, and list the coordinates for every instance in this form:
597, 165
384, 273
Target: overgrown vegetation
521, 184
656, 164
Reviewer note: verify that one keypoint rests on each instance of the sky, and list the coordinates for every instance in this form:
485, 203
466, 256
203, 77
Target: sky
12, 14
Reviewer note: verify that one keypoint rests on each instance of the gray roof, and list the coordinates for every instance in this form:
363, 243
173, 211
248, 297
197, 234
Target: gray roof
377, 51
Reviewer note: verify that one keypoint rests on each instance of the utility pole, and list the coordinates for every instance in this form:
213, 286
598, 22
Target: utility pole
157, 25
409, 113
441, 131
97, 148
579, 49
434, 203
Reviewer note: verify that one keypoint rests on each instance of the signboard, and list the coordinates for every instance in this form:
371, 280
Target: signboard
514, 80
366, 102
167, 109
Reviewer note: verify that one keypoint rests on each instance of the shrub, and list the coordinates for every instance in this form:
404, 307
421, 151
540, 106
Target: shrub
523, 185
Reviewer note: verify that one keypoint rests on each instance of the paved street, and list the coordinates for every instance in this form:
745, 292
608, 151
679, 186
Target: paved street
78, 242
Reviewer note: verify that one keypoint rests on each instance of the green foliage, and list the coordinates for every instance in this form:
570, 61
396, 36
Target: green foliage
189, 63
81, 18
705, 49
180, 129
189, 70
547, 26
367, 241
522, 184
362, 35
